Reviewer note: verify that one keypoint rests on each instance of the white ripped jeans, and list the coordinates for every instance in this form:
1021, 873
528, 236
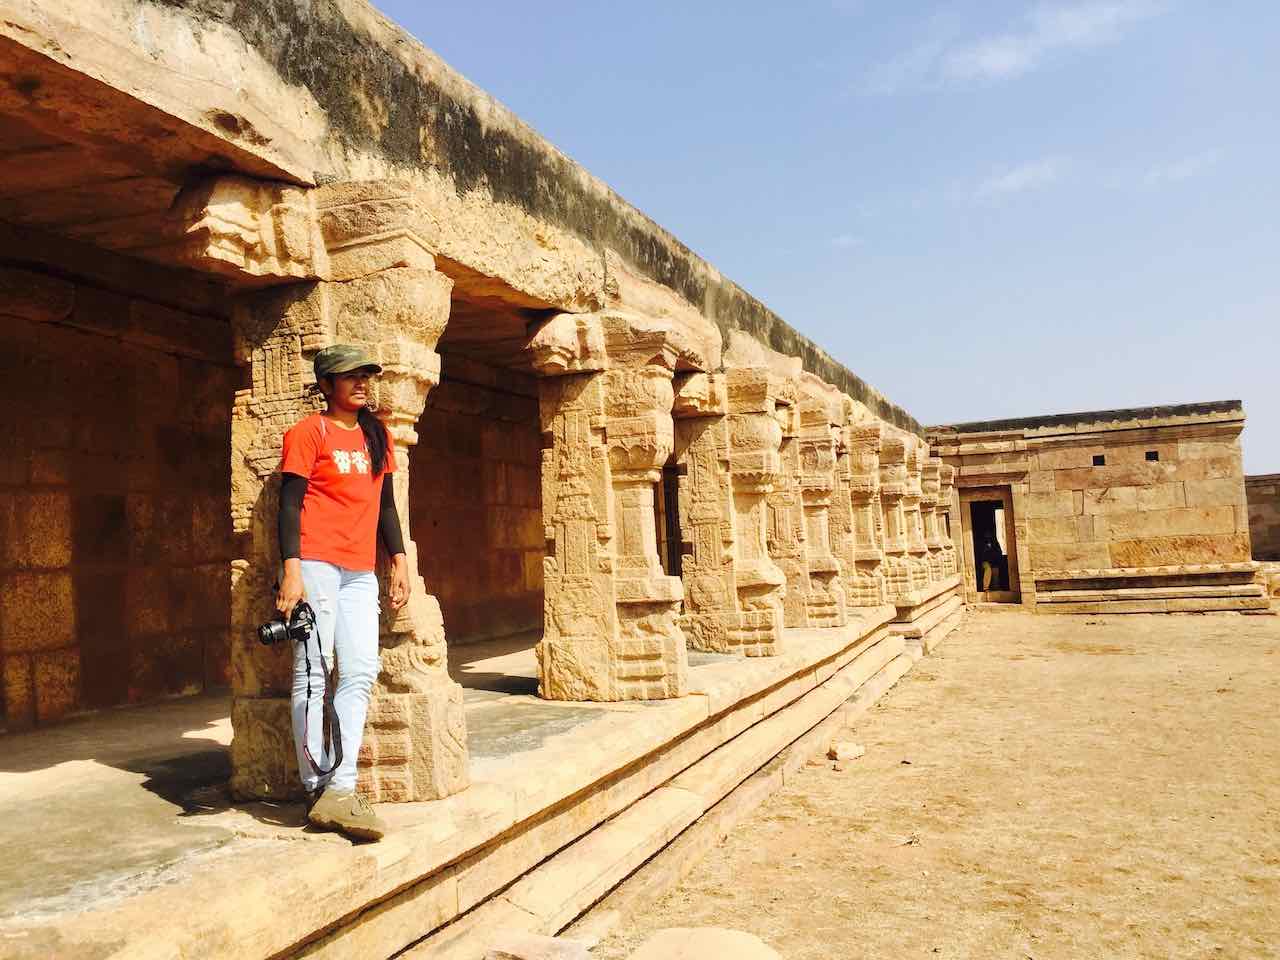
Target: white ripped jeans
346, 606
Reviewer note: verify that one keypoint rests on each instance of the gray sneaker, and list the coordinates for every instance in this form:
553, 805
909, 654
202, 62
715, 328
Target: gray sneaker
347, 813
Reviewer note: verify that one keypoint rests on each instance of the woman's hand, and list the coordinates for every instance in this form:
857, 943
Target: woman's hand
291, 587
398, 589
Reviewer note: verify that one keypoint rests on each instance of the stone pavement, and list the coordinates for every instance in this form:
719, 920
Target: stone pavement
1043, 787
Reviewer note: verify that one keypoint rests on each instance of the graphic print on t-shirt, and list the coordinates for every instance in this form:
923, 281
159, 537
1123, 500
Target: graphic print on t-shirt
348, 460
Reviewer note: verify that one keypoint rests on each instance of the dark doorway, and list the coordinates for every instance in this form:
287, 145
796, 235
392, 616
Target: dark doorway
987, 524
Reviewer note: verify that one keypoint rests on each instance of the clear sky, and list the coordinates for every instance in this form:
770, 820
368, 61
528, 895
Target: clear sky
985, 209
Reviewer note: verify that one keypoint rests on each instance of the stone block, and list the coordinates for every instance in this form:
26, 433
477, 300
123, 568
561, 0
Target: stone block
1069, 556
1067, 458
1142, 474
37, 611
1060, 529
148, 599
1209, 493
1041, 481
35, 296
1163, 496
57, 683
37, 529
1060, 503
1172, 551
1110, 499
1166, 523
704, 943
264, 763
19, 690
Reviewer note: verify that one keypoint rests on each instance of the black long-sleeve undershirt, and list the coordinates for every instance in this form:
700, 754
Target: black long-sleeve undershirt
293, 488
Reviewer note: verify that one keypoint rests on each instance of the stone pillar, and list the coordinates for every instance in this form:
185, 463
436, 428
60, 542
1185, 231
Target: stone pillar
382, 292
930, 491
610, 630
787, 534
711, 619
893, 487
819, 420
865, 582
917, 551
755, 437
948, 522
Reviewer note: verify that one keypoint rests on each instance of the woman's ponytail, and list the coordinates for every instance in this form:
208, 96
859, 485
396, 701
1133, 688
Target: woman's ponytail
375, 438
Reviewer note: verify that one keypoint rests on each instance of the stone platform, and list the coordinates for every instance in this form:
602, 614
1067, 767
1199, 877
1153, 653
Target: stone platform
123, 842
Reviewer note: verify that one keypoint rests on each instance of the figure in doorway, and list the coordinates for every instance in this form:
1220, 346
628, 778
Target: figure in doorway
990, 561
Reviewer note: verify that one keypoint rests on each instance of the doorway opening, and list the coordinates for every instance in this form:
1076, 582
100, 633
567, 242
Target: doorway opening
990, 546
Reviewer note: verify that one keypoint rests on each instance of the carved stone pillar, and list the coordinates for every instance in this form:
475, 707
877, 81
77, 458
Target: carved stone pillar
390, 300
893, 487
867, 585
787, 535
755, 437
844, 542
917, 551
610, 630
819, 421
930, 490
946, 520
711, 619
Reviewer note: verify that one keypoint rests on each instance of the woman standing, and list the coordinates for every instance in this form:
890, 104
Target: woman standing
336, 501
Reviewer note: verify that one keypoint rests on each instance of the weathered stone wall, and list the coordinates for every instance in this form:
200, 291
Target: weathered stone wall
115, 525
475, 492
1113, 495
1263, 494
1185, 508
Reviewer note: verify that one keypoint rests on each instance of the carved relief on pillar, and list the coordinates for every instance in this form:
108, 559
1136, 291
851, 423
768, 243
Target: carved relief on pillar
930, 491
710, 618
415, 742
754, 440
946, 523
917, 551
820, 413
787, 534
610, 628
893, 489
866, 585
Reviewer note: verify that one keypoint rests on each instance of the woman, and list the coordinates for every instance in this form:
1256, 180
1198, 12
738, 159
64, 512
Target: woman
336, 501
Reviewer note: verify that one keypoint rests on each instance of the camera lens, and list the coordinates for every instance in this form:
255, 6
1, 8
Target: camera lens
272, 632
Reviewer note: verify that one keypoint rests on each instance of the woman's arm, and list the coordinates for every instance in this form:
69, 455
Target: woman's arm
393, 541
289, 527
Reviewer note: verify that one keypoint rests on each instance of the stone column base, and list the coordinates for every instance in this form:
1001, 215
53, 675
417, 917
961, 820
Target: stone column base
264, 762
415, 745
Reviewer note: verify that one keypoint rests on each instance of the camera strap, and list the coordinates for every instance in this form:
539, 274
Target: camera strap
333, 737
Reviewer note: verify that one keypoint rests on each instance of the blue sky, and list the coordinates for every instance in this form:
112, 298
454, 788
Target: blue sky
985, 209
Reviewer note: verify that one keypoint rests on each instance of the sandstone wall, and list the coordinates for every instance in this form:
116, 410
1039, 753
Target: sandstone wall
1263, 493
1187, 507
475, 495
115, 529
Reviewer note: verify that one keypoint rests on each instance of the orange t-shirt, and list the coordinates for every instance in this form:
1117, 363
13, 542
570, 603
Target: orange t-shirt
341, 505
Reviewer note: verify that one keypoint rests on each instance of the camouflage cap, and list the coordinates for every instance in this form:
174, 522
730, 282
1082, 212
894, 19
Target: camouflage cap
342, 358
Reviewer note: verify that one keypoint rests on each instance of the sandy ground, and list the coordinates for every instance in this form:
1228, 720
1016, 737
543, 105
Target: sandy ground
1040, 787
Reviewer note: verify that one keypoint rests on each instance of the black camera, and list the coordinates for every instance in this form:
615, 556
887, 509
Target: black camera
299, 627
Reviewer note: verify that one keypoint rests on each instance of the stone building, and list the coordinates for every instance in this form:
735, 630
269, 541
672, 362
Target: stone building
1263, 495
1111, 511
609, 450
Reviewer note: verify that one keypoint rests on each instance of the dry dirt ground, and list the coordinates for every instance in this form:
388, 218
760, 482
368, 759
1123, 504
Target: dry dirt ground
1041, 787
